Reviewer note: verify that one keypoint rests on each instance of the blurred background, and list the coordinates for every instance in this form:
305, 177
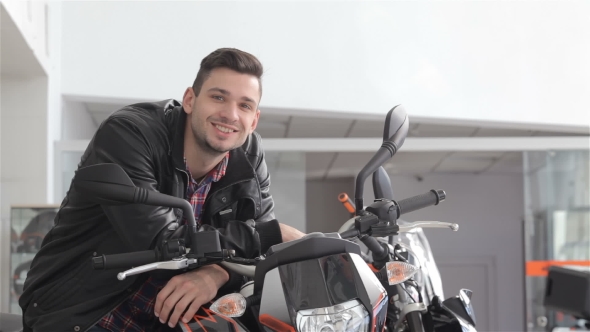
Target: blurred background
497, 93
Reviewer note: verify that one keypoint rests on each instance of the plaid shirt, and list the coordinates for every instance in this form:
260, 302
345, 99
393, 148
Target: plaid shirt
137, 312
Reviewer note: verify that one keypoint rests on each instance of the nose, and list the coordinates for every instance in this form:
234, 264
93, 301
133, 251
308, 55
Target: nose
230, 112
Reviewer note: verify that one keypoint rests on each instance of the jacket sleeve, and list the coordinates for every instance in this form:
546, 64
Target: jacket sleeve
121, 142
266, 224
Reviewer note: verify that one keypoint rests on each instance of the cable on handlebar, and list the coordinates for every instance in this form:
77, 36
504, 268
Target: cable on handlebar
353, 232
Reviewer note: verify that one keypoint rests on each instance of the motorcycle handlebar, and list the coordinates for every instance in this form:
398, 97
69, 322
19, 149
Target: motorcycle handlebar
126, 260
432, 197
373, 245
379, 252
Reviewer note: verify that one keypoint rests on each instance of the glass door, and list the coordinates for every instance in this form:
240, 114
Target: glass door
557, 226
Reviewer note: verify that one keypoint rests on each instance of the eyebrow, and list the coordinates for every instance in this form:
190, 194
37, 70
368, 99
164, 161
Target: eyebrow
226, 93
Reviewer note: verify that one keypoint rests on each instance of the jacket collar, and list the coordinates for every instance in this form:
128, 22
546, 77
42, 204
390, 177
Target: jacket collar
176, 122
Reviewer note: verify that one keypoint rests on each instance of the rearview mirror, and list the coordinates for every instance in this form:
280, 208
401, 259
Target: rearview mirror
105, 184
394, 135
382, 184
396, 126
109, 184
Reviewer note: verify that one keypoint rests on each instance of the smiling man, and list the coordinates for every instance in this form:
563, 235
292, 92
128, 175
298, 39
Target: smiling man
204, 150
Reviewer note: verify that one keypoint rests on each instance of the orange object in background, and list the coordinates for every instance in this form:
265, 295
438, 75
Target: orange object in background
347, 202
541, 268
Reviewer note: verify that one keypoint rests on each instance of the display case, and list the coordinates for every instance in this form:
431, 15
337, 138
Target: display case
557, 228
29, 224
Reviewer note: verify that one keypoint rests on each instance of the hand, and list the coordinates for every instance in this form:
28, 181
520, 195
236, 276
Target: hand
289, 233
187, 292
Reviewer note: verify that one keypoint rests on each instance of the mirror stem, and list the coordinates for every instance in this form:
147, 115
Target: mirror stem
386, 151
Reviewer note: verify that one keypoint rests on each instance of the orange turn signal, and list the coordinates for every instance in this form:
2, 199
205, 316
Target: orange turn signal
398, 272
230, 305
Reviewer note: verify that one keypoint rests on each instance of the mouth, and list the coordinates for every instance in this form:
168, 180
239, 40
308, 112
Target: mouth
224, 129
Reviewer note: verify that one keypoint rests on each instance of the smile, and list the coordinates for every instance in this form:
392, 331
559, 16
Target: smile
224, 129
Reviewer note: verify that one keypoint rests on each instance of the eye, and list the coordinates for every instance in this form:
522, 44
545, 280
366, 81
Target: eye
218, 97
246, 106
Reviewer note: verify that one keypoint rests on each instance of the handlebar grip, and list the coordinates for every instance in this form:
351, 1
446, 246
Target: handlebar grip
347, 202
126, 260
432, 197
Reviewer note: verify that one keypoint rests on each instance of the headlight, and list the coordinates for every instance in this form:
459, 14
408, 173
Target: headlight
348, 316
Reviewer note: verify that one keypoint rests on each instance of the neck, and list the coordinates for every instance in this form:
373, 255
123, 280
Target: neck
200, 161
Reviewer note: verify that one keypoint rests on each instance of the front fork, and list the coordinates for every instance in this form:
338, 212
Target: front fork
399, 311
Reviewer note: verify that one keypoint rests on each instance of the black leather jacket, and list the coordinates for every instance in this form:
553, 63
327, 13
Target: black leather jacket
63, 292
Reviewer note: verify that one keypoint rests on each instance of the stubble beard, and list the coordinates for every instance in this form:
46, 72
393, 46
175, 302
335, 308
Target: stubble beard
203, 141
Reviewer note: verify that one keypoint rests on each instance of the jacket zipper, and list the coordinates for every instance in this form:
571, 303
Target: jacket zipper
209, 195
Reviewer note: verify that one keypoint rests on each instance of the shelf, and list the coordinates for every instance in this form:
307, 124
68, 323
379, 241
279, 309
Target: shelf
34, 221
22, 256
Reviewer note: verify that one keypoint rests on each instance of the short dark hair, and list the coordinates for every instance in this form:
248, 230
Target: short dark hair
230, 58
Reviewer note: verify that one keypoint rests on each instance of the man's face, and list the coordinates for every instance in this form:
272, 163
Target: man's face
225, 112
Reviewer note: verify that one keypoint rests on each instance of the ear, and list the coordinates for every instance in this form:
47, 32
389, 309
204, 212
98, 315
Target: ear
188, 100
255, 122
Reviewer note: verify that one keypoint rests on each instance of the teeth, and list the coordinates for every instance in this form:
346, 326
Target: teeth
225, 130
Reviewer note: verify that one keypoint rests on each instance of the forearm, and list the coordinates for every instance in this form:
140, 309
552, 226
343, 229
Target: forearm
289, 233
215, 275
185, 293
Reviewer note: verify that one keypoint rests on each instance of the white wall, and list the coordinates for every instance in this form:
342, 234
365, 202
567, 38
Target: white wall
324, 212
287, 187
54, 98
30, 96
24, 155
485, 255
522, 62
490, 211
24, 132
77, 122
4, 229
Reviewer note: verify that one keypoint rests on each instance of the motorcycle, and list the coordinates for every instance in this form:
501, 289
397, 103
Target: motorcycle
317, 283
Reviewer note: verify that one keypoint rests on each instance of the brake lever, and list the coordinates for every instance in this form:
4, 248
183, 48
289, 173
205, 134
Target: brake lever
428, 224
174, 264
183, 262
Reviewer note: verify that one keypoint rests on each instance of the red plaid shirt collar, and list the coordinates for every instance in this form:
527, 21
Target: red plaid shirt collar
213, 176
196, 192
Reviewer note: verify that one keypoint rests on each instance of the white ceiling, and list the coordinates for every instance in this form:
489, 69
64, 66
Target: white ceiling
348, 164
16, 57
332, 165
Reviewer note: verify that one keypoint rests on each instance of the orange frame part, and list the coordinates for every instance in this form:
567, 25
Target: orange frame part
275, 324
541, 268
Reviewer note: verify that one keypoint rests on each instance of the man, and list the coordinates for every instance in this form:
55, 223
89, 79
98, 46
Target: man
204, 150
